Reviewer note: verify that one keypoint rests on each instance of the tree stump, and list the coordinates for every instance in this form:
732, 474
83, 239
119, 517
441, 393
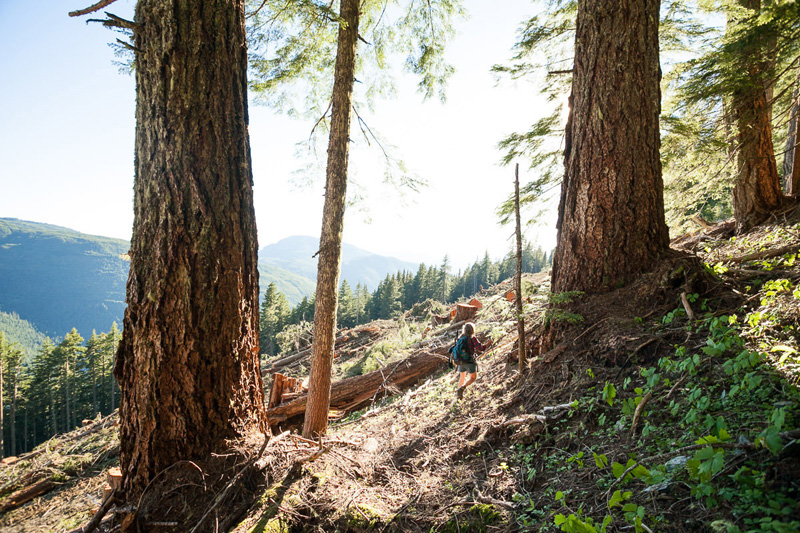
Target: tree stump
465, 312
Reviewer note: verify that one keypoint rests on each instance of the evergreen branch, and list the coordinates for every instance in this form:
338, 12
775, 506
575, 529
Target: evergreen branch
114, 21
254, 13
91, 9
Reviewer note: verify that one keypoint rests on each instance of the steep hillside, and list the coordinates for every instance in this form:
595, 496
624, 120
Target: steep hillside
670, 405
293, 286
21, 332
57, 278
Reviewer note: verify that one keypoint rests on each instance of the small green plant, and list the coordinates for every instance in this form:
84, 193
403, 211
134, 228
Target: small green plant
609, 393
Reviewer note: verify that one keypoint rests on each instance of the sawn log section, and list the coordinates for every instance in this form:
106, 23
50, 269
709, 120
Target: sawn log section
352, 393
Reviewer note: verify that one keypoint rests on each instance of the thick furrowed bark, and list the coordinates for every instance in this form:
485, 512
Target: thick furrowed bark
611, 225
188, 360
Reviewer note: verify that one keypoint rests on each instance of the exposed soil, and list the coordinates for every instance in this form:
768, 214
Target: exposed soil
518, 452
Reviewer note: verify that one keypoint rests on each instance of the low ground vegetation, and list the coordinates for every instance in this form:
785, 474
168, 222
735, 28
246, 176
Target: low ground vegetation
669, 405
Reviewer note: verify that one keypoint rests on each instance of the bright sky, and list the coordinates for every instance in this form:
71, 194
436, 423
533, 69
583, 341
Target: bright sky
67, 140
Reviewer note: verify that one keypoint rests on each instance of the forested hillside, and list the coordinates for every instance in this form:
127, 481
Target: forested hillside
57, 278
51, 389
21, 332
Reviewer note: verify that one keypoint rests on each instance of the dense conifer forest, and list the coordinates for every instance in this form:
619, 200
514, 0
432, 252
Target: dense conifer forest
280, 325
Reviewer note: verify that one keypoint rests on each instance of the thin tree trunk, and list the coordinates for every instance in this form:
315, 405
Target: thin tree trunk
757, 192
2, 407
611, 225
188, 362
25, 439
319, 390
67, 417
14, 416
93, 366
791, 159
53, 414
523, 361
111, 383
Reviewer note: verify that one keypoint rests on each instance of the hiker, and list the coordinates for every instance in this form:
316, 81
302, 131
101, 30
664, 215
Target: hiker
467, 367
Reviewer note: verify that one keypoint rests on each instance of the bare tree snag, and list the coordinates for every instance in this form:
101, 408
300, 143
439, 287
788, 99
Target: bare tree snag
523, 361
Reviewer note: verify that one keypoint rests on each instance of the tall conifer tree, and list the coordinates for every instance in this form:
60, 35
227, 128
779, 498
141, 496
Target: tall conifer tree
188, 360
611, 222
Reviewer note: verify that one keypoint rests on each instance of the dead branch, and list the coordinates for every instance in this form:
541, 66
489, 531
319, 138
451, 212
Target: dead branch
98, 516
114, 21
555, 410
590, 328
677, 384
91, 9
314, 456
403, 508
233, 482
765, 254
638, 412
686, 306
519, 420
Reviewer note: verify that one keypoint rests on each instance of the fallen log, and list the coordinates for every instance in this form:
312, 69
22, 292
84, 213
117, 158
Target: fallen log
26, 494
352, 393
765, 254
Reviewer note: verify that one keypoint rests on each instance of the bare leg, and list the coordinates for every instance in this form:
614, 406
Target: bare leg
472, 377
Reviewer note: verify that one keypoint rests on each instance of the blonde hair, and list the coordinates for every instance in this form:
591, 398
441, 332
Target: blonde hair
469, 329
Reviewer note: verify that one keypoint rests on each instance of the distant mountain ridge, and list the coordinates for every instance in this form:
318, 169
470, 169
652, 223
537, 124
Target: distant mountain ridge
297, 254
56, 278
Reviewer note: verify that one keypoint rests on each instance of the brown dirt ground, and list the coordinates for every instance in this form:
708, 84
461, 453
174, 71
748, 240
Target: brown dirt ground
420, 461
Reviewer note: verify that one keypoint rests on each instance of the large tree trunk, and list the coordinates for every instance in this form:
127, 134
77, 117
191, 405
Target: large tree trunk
611, 225
330, 245
187, 364
757, 192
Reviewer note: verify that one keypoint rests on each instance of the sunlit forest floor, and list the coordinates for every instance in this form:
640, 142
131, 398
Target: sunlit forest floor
668, 405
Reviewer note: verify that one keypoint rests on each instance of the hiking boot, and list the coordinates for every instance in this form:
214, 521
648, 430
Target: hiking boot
460, 393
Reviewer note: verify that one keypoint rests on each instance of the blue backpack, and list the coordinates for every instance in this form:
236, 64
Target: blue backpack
459, 353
